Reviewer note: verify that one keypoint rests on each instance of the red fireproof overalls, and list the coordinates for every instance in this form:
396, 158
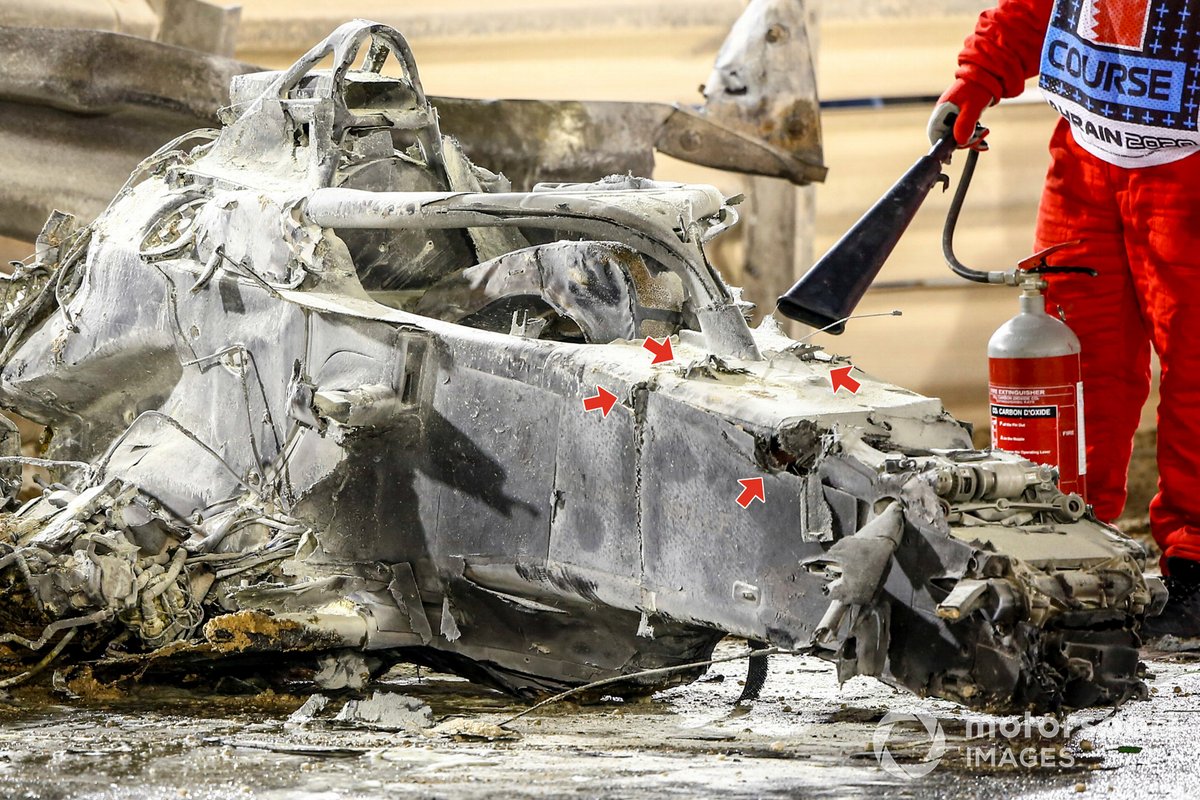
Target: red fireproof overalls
1125, 76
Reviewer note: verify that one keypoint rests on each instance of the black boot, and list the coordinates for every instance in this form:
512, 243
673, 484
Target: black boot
1178, 626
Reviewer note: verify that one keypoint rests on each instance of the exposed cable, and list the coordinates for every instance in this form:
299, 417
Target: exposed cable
41, 665
646, 673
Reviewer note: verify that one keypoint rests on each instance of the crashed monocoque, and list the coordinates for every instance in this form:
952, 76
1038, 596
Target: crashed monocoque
314, 386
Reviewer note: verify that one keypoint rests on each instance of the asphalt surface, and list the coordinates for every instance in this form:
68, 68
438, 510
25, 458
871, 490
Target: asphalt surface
806, 737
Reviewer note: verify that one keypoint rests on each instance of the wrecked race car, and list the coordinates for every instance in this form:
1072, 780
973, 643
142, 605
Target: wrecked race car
317, 392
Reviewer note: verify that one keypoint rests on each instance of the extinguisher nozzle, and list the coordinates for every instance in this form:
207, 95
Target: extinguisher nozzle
820, 319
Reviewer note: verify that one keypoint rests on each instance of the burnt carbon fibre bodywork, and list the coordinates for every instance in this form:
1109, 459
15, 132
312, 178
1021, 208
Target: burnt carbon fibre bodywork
316, 387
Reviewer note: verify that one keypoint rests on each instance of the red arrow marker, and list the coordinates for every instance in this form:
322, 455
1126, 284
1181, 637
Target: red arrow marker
602, 400
752, 489
662, 350
840, 377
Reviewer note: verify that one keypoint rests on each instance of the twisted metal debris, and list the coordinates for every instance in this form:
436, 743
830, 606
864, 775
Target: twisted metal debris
315, 380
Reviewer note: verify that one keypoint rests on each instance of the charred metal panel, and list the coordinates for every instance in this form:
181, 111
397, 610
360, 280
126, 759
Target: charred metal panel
595, 521
494, 483
689, 465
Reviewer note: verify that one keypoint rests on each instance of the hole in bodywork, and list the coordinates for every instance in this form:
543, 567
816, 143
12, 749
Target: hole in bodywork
940, 588
586, 290
409, 393
499, 317
583, 291
396, 266
366, 94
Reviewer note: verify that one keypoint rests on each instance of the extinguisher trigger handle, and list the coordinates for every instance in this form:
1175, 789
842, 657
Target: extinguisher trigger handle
1039, 259
1045, 269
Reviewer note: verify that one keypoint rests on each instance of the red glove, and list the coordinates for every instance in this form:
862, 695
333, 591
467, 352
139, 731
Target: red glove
966, 100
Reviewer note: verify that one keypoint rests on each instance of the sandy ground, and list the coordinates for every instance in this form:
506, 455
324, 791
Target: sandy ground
806, 737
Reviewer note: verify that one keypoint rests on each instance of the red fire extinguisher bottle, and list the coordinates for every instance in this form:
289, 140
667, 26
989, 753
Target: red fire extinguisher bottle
1034, 385
1035, 390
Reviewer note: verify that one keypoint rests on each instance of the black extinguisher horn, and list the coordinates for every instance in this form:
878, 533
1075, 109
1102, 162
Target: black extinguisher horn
828, 293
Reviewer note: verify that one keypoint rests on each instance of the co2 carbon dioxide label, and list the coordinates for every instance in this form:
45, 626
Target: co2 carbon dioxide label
1036, 411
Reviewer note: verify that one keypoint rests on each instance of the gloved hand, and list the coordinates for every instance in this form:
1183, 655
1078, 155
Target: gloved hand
966, 100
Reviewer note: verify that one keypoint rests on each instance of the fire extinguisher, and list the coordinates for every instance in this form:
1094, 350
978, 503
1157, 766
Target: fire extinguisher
1035, 391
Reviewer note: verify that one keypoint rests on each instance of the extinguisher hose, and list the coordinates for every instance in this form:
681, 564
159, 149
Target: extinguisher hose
962, 270
956, 204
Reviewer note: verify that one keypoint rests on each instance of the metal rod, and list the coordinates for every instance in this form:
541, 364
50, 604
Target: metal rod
646, 673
